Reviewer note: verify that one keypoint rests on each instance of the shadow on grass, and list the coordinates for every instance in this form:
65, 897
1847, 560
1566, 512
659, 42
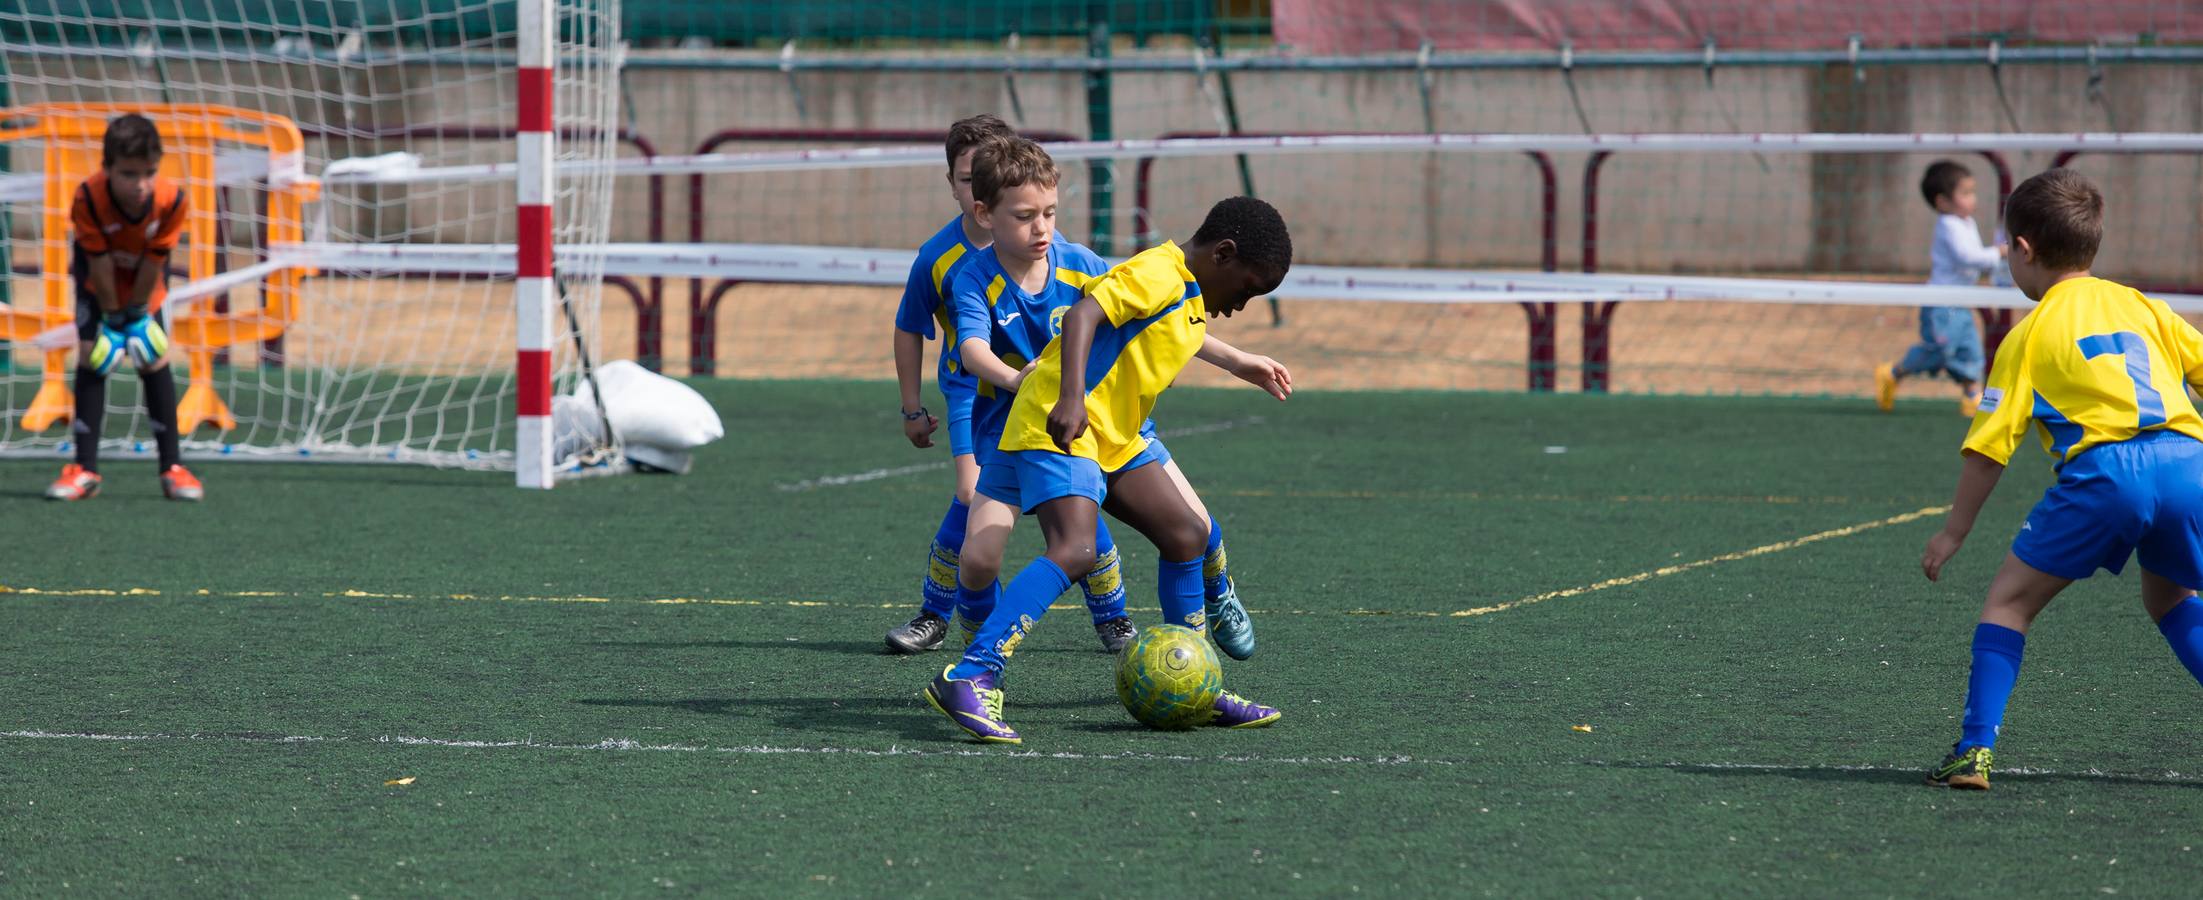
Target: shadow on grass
850, 648
905, 718
870, 647
1895, 776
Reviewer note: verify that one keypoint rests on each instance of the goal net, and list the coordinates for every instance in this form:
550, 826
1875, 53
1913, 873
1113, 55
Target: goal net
269, 113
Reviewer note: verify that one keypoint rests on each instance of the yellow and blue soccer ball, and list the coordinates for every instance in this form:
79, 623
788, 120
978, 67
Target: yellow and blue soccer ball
1169, 677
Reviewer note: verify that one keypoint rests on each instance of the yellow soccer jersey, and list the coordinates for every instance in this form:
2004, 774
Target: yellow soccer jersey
1156, 323
2095, 362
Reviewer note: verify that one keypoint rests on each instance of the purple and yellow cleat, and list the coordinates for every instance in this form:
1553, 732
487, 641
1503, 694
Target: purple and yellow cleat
974, 704
1234, 711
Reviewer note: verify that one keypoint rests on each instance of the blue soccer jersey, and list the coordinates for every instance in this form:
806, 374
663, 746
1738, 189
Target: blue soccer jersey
1018, 324
925, 295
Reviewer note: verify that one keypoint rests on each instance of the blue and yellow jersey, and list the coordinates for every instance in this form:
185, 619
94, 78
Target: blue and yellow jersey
1156, 324
2095, 362
925, 295
1019, 325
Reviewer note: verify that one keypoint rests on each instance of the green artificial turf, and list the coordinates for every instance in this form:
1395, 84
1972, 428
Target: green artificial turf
660, 685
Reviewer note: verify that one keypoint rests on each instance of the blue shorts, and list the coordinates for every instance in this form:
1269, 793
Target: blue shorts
1155, 452
2140, 497
1028, 478
958, 395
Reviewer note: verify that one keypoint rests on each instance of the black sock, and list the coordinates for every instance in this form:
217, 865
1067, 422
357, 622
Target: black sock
160, 403
91, 412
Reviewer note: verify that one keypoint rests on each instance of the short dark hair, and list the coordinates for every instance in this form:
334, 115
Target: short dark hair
1005, 163
1254, 227
2061, 214
971, 132
129, 136
1941, 179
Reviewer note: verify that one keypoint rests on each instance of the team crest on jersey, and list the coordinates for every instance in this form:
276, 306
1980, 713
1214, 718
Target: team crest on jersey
1055, 320
1990, 398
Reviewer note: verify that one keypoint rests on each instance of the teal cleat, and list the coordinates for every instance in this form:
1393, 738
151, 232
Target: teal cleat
1230, 627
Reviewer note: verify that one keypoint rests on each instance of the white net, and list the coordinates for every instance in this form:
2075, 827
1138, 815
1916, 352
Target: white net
406, 365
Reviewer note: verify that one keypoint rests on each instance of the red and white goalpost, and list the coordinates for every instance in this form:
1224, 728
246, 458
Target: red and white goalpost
347, 330
535, 292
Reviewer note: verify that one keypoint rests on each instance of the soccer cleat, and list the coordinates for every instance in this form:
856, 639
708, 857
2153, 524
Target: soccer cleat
917, 635
75, 483
1885, 386
1234, 711
974, 704
1969, 404
1230, 627
178, 484
1116, 634
1967, 769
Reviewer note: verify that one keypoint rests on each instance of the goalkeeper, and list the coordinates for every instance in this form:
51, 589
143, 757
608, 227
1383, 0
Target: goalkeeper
127, 219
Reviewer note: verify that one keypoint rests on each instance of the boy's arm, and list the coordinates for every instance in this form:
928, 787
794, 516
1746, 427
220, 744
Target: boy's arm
1068, 419
910, 355
1965, 241
103, 283
1260, 371
100, 272
1977, 477
979, 359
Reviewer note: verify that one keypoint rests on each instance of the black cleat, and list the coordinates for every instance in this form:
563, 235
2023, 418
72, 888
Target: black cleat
917, 635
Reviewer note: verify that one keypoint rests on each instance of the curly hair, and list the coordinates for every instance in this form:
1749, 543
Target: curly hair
1254, 227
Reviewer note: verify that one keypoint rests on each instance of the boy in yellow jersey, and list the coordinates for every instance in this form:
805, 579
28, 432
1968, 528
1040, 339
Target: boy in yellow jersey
2101, 373
1073, 441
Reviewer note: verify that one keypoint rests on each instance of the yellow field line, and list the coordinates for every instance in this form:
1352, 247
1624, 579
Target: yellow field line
1663, 571
1623, 581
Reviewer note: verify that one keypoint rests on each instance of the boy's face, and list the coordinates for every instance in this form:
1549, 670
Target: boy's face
1959, 202
1022, 220
132, 180
1229, 283
960, 181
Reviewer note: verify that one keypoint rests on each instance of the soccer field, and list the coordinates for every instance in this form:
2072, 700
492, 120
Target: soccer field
1525, 644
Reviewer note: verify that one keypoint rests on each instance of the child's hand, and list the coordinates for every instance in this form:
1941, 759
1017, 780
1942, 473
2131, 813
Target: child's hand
1021, 373
920, 430
1065, 423
1941, 548
1267, 374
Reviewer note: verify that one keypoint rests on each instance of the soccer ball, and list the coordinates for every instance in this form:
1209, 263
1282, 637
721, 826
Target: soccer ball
1169, 677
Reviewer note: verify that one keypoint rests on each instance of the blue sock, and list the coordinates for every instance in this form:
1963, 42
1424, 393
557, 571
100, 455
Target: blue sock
1178, 586
975, 606
1023, 603
2183, 629
1989, 686
1104, 584
948, 546
1216, 577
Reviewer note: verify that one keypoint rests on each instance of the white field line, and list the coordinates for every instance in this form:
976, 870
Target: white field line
628, 745
2182, 777
825, 481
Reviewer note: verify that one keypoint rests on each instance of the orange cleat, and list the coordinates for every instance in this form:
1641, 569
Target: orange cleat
179, 484
76, 483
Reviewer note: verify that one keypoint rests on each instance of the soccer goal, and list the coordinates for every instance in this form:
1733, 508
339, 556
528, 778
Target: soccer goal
270, 114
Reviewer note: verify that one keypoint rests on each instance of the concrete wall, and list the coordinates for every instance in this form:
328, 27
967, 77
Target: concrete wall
1683, 212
